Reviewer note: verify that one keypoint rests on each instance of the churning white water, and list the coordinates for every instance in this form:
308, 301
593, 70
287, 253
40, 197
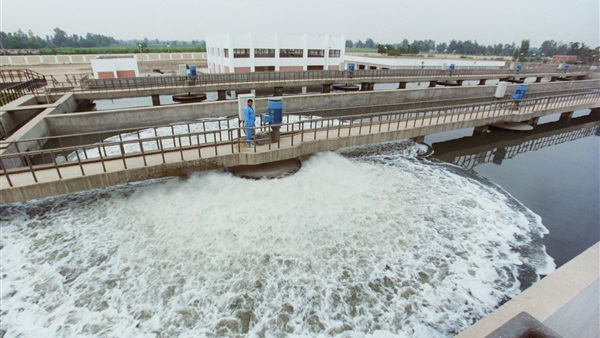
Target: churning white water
370, 241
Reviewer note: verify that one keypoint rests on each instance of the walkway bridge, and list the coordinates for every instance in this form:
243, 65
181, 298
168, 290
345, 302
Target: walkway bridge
90, 89
178, 149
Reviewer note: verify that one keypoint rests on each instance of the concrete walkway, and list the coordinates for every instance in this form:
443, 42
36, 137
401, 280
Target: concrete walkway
73, 176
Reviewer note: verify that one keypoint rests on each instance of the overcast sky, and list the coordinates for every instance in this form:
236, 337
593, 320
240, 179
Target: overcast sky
385, 21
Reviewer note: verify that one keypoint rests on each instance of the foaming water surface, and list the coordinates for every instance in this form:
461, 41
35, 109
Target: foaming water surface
366, 241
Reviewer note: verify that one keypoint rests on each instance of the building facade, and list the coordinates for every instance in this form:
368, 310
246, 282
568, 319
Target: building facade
243, 53
562, 59
111, 67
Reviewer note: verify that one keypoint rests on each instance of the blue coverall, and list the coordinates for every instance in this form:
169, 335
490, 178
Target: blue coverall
249, 122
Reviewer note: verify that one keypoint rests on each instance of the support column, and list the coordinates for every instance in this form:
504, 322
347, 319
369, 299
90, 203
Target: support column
155, 100
278, 91
482, 129
533, 122
459, 82
402, 85
432, 84
221, 95
326, 88
538, 79
482, 82
566, 116
366, 86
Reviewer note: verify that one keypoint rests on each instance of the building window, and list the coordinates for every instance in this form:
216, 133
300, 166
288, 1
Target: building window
241, 53
334, 53
226, 52
264, 68
290, 53
264, 53
316, 53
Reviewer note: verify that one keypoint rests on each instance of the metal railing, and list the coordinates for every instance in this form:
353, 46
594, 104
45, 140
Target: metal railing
275, 77
227, 137
21, 82
19, 75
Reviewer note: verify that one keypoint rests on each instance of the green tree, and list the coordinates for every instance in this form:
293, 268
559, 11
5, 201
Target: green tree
523, 52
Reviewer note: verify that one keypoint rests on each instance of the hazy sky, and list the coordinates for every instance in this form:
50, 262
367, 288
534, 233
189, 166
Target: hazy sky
385, 21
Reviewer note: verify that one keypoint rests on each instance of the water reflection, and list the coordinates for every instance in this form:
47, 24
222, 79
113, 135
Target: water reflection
498, 145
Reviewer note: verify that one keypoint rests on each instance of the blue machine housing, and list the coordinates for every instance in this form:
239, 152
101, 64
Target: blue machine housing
519, 93
275, 112
192, 71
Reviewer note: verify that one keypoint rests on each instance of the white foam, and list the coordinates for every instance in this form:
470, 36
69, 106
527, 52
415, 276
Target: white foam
377, 244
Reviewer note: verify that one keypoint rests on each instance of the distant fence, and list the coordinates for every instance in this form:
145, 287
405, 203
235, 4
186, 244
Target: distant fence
25, 60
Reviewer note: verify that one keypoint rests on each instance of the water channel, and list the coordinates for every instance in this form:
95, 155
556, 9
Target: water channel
373, 241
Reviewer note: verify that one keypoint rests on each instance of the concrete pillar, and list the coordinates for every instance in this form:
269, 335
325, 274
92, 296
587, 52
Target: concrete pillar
432, 84
85, 105
402, 85
221, 95
155, 100
533, 122
482, 129
366, 86
278, 91
459, 82
538, 79
304, 90
326, 88
482, 82
566, 116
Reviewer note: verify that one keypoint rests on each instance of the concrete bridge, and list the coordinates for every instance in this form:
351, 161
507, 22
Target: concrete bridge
325, 80
497, 147
178, 149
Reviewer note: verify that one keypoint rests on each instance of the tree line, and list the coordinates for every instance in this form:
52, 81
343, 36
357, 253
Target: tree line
61, 39
524, 51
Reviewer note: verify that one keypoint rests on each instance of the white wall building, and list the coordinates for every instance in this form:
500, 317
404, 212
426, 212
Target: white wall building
243, 53
107, 67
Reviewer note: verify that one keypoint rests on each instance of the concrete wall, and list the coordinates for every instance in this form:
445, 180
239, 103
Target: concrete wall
11, 120
37, 127
567, 301
19, 60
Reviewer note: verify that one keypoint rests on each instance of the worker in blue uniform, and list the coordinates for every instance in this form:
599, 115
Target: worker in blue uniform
249, 118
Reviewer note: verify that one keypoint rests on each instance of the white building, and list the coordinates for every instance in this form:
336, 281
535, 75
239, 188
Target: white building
113, 67
243, 53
